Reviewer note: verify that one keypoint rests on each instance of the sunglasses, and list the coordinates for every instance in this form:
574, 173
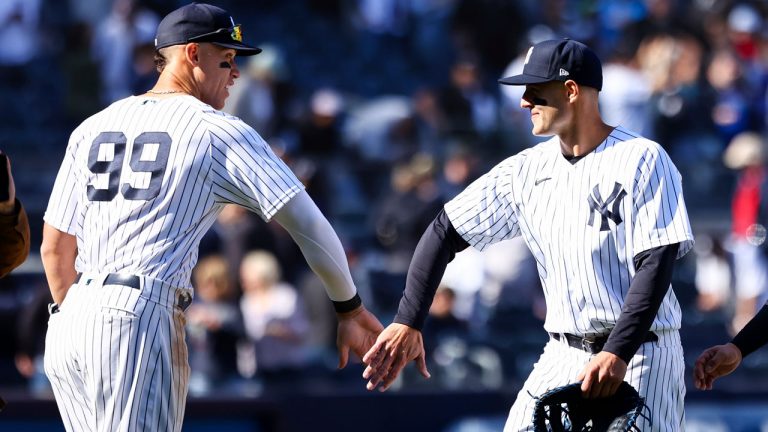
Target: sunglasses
234, 32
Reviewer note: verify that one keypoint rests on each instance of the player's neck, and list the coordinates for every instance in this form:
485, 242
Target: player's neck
582, 138
170, 84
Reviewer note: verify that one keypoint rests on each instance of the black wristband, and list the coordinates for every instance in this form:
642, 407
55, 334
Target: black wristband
348, 305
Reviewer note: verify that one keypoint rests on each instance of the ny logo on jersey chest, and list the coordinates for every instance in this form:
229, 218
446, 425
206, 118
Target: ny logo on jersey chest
600, 207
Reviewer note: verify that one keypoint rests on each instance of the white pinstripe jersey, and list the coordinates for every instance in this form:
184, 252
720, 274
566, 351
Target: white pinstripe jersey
144, 179
583, 222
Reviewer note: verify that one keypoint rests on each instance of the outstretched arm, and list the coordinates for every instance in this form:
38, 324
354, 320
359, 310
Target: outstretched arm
325, 255
401, 342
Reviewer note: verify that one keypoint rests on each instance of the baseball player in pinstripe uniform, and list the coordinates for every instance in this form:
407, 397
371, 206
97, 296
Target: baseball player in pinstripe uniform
602, 211
140, 184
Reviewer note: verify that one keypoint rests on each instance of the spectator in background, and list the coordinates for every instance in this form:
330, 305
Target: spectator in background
442, 322
235, 232
14, 226
406, 210
713, 273
275, 320
469, 109
732, 112
82, 79
128, 25
263, 95
214, 328
747, 154
620, 103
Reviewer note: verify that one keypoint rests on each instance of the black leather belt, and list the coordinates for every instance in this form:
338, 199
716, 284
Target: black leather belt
131, 281
592, 344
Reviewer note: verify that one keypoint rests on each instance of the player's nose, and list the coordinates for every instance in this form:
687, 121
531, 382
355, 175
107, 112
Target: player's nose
235, 70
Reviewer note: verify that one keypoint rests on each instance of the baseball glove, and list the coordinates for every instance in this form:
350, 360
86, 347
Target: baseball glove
565, 409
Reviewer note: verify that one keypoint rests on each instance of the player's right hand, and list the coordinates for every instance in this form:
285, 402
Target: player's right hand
357, 331
395, 347
720, 360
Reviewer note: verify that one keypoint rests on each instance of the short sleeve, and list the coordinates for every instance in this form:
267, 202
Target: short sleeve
245, 170
64, 206
660, 216
483, 213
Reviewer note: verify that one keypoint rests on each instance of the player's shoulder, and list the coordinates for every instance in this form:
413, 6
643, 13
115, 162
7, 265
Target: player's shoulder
533, 154
629, 140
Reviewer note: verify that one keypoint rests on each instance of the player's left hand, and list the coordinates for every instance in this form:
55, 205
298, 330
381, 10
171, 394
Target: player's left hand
395, 347
357, 331
715, 362
602, 376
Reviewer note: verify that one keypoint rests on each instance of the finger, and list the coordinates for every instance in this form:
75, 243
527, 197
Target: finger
713, 362
586, 384
421, 365
374, 351
379, 373
374, 364
343, 357
390, 377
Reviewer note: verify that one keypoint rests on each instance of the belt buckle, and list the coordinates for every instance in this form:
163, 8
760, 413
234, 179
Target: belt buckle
183, 301
588, 344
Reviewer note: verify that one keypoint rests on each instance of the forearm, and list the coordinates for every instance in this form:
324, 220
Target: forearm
320, 246
58, 253
437, 247
14, 238
646, 292
754, 334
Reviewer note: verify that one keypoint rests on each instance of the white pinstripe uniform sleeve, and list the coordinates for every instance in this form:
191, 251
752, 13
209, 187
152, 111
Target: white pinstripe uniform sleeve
484, 212
659, 212
63, 206
247, 172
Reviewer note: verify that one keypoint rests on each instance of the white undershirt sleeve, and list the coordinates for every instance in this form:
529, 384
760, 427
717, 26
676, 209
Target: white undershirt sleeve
319, 244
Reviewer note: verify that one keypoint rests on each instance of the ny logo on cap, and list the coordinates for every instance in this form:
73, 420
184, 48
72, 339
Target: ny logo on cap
597, 205
528, 56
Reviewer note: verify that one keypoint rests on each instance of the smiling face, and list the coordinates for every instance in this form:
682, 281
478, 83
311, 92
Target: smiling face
215, 73
548, 104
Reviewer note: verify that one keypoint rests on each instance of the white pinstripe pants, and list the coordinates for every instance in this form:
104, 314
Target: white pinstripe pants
656, 371
117, 359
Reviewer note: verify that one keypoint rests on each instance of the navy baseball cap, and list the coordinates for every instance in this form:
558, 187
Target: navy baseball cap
200, 22
560, 60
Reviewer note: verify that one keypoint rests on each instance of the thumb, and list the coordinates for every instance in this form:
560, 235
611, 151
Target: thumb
343, 356
421, 364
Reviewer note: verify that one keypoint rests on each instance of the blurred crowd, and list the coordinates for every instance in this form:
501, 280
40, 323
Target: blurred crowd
386, 109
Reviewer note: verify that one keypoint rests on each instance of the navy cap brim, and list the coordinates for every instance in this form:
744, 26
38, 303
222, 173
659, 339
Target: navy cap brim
523, 79
242, 49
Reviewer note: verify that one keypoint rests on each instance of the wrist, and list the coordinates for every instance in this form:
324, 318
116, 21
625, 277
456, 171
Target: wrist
346, 307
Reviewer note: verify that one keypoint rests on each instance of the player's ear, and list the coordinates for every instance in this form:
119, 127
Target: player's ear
572, 90
192, 53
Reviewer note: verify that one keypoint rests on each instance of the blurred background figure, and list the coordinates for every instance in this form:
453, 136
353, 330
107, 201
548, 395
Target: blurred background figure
128, 26
714, 279
442, 322
747, 154
276, 323
214, 328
